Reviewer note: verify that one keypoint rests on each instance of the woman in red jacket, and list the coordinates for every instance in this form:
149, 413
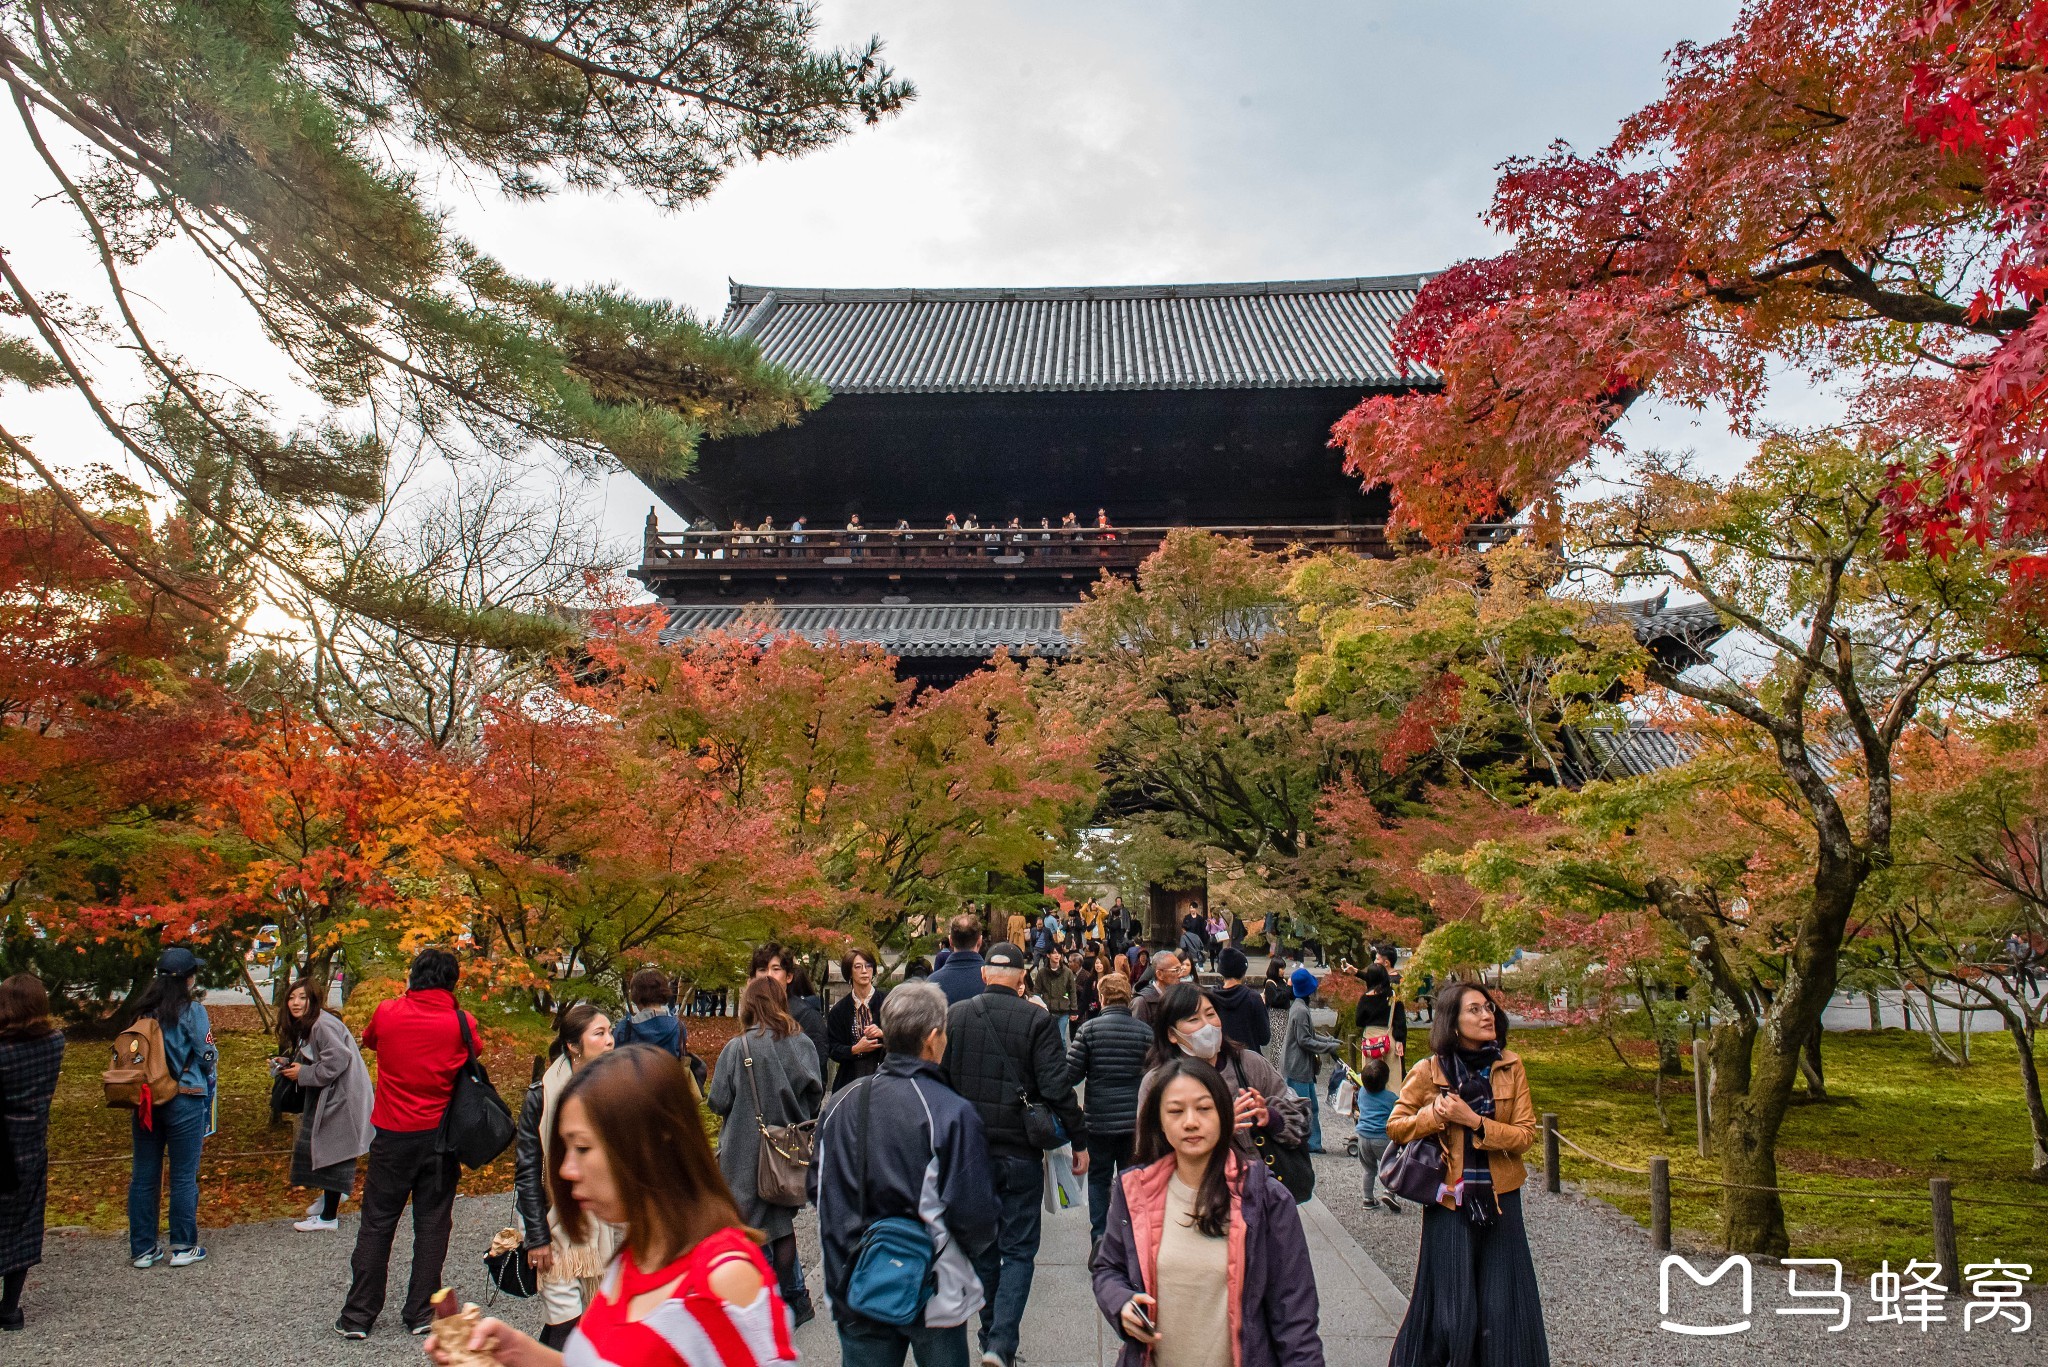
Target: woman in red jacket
691, 1285
1203, 1262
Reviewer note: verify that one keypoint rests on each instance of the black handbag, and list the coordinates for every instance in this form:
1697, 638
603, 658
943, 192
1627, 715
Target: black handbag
1290, 1164
510, 1273
1042, 1129
286, 1097
478, 1125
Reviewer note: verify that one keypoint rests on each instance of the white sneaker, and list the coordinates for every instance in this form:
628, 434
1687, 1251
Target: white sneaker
315, 1225
185, 1257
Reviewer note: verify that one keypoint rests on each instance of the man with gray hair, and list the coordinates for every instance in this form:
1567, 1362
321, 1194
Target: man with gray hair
1002, 1052
901, 1144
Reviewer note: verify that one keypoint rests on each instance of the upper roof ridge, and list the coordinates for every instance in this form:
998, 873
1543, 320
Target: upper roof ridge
742, 295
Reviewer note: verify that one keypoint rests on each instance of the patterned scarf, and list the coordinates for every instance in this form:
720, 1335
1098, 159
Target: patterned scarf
1470, 1073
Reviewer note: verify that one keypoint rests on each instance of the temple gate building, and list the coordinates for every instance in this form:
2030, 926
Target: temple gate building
1153, 406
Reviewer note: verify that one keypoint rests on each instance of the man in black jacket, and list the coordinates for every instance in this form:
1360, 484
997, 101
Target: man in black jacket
1108, 1054
999, 1049
925, 1159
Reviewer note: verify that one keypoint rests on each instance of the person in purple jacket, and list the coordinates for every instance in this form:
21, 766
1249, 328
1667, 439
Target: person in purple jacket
1203, 1263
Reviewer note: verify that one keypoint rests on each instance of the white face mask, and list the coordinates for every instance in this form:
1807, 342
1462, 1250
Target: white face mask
1203, 1042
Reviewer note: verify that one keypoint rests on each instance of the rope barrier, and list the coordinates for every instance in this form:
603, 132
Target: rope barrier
1918, 1198
203, 1157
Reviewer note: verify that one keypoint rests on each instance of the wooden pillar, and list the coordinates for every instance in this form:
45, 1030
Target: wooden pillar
1660, 1204
1945, 1251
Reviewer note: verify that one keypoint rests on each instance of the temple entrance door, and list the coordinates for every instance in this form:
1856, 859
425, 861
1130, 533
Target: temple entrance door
1166, 905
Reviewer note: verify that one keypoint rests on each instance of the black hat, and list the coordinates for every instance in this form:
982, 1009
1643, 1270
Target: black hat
1231, 963
1005, 955
178, 962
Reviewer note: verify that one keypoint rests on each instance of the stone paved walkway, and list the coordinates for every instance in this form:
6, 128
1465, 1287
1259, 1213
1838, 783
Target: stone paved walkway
267, 1297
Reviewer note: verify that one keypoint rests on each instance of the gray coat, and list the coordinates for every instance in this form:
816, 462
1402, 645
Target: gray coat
330, 1061
1301, 1055
786, 1074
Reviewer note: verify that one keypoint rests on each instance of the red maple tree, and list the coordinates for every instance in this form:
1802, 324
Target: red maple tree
1848, 189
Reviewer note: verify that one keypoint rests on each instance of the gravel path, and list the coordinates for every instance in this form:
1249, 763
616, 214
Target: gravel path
1599, 1280
266, 1296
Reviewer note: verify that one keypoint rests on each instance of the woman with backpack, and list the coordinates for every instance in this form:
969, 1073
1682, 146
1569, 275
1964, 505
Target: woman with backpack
31, 1057
569, 1268
1475, 1283
177, 1128
1204, 1262
766, 1076
627, 1148
320, 1056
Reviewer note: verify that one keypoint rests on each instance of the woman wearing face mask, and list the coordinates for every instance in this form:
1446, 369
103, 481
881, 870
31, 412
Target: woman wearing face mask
627, 1148
1186, 1026
1203, 1263
568, 1268
1475, 1286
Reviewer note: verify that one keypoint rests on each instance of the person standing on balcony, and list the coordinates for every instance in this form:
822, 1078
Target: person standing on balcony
796, 531
768, 541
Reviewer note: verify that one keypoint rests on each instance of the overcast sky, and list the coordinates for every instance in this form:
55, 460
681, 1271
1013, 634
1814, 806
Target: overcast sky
1063, 142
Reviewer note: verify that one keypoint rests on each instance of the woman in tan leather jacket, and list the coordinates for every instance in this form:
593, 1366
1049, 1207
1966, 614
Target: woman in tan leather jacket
1475, 1296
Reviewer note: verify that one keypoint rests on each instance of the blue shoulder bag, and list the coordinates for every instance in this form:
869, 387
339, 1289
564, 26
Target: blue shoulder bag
892, 1268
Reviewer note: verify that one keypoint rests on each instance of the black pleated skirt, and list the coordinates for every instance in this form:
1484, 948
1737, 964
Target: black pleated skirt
1475, 1302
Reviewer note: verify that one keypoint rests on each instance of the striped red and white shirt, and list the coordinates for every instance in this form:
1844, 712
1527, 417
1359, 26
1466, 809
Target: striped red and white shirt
694, 1327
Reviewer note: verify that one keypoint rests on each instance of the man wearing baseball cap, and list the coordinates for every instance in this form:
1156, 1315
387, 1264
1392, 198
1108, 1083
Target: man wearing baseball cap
1001, 1050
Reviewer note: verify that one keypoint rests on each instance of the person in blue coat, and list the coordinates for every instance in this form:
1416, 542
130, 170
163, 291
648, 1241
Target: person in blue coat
178, 1128
927, 1160
651, 1021
960, 976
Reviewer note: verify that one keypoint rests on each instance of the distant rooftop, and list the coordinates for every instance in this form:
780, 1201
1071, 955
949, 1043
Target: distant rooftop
1287, 334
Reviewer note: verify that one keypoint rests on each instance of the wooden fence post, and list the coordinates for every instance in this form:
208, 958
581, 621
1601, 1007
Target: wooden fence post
1660, 1203
1945, 1235
1701, 1110
1552, 1178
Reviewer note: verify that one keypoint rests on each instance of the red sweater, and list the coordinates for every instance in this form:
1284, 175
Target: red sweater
419, 1048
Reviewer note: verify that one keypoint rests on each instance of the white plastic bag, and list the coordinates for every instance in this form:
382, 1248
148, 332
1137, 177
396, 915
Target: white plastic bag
1063, 1189
1347, 1098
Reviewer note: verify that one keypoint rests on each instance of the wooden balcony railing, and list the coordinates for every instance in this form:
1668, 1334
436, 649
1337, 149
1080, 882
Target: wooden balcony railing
988, 550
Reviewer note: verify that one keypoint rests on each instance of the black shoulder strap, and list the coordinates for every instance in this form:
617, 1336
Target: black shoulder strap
462, 1021
1002, 1054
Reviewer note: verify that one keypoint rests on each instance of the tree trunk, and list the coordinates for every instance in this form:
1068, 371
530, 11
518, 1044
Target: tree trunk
2030, 1080
1810, 1067
1757, 1062
1876, 1011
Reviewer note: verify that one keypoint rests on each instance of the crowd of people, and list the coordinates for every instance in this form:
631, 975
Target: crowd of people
702, 540
920, 1121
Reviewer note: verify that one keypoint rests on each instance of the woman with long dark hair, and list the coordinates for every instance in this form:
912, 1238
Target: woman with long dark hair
1186, 1026
321, 1056
1204, 1262
31, 1058
177, 1129
768, 1075
1475, 1295
627, 1147
853, 1027
569, 1269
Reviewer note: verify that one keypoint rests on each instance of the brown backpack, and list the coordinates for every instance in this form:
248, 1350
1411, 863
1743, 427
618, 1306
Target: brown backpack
140, 1077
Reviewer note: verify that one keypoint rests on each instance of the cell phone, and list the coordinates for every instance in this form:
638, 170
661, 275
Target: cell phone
1144, 1319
